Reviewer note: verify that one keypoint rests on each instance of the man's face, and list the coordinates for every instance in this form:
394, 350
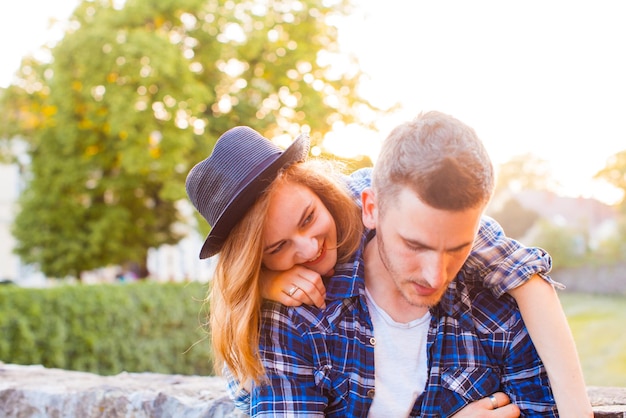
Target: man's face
420, 248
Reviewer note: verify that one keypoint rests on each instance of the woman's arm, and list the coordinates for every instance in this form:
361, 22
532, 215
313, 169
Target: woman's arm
548, 328
293, 287
508, 266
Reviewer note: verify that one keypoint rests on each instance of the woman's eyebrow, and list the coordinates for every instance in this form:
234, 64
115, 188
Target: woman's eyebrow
305, 212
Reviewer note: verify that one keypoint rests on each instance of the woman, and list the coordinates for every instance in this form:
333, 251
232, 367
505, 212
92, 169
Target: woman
272, 212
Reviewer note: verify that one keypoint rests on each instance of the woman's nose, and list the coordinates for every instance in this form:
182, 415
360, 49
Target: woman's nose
306, 248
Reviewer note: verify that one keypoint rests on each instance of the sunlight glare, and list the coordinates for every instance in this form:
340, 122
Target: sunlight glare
350, 141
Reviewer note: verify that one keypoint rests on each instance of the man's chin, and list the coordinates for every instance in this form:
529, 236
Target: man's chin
424, 301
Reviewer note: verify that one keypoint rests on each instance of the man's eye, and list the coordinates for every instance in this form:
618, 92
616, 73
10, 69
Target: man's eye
415, 248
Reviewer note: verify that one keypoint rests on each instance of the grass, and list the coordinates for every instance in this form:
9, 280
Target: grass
598, 323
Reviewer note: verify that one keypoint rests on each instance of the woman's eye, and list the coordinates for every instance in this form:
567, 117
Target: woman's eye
277, 248
308, 219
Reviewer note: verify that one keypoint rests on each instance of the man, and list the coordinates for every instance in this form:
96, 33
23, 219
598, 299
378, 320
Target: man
444, 344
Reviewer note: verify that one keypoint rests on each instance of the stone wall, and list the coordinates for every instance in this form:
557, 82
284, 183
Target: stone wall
37, 392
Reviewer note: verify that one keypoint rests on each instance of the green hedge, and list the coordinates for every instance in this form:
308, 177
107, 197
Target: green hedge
106, 329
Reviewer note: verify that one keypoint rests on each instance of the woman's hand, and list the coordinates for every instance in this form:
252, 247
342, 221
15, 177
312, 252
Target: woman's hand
293, 287
497, 405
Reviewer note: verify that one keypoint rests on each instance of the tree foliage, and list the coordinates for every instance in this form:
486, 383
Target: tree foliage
524, 172
135, 95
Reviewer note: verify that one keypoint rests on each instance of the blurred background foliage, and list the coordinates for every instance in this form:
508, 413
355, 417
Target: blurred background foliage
134, 96
575, 232
107, 329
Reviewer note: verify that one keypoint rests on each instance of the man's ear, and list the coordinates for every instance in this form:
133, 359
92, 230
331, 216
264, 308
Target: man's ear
370, 208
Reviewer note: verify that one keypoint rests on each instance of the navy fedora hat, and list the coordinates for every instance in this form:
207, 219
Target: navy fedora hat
225, 185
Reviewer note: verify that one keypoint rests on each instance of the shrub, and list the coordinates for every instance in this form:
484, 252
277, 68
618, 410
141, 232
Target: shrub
106, 329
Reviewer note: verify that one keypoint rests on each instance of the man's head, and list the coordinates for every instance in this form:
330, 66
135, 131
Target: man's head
430, 186
440, 158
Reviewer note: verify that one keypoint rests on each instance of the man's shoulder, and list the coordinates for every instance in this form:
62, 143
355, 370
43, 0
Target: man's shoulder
468, 296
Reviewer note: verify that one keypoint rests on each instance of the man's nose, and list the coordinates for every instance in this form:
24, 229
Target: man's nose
435, 270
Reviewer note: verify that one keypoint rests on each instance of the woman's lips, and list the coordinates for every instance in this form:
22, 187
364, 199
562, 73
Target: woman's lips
318, 258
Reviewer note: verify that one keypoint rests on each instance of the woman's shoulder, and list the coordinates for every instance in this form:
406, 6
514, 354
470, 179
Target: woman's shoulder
359, 180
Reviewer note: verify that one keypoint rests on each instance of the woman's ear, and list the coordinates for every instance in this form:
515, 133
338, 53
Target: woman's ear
370, 209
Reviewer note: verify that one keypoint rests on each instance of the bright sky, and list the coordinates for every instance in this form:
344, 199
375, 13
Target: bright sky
546, 77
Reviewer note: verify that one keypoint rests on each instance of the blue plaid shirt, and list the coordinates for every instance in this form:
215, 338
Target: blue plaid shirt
321, 362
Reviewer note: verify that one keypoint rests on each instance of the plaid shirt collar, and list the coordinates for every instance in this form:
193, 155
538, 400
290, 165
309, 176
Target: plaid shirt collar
348, 279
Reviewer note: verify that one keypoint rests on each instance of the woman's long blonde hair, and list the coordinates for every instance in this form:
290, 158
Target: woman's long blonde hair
234, 297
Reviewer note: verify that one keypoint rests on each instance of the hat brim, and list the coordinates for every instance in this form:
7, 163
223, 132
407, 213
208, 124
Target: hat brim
250, 192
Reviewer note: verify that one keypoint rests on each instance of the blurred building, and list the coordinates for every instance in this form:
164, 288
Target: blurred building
9, 262
596, 221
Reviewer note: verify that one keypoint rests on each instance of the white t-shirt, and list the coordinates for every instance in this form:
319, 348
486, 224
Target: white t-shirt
401, 362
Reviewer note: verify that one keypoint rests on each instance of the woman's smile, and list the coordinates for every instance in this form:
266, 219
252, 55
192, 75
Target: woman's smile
318, 257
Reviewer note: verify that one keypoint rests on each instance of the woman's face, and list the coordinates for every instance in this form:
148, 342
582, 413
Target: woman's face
299, 230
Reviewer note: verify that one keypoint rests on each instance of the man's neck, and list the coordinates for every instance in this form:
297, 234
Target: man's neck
384, 291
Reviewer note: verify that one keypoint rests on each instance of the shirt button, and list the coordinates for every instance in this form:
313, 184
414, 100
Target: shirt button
371, 393
373, 341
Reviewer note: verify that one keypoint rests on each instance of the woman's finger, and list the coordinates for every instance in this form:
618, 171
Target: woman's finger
311, 288
299, 295
314, 278
305, 292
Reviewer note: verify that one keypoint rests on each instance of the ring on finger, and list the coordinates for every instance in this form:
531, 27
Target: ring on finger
494, 401
293, 290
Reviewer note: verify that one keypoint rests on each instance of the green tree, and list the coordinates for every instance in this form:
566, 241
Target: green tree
524, 172
134, 96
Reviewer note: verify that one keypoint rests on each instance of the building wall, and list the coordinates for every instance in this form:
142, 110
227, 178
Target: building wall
9, 187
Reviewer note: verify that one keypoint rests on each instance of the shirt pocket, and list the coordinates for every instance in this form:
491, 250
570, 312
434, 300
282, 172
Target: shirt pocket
472, 383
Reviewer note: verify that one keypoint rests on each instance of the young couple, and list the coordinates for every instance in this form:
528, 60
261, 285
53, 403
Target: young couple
392, 294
